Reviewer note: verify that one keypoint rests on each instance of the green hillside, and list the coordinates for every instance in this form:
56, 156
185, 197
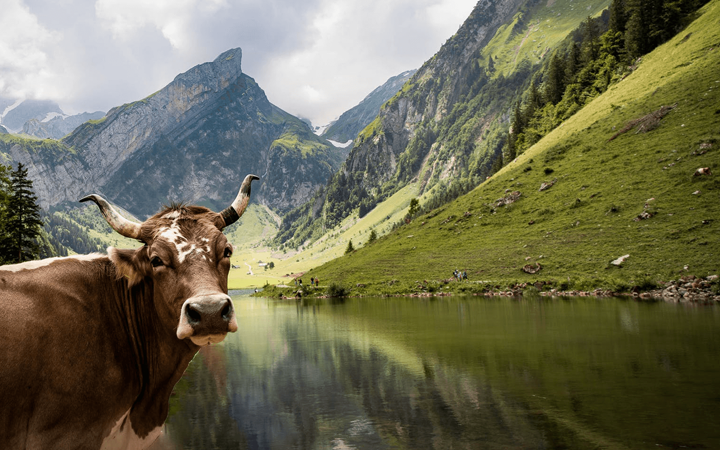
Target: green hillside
632, 195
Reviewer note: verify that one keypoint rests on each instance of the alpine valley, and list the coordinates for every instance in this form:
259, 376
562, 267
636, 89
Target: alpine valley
543, 142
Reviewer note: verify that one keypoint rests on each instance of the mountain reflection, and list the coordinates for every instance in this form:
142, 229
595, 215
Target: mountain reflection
386, 374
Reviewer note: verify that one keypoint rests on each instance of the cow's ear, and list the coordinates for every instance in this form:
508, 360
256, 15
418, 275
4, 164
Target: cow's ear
131, 264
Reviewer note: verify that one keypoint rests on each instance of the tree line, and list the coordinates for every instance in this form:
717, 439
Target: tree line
27, 232
20, 223
603, 51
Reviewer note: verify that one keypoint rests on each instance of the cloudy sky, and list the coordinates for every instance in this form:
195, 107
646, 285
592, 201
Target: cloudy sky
313, 58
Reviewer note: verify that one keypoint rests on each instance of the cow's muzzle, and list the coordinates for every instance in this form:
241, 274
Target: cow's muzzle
207, 319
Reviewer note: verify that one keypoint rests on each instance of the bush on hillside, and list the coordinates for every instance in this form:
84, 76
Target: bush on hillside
335, 290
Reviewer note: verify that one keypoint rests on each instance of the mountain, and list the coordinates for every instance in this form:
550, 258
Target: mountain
448, 124
194, 140
14, 117
352, 121
59, 125
622, 196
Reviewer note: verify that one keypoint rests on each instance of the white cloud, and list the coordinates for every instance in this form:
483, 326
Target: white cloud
172, 18
315, 58
23, 57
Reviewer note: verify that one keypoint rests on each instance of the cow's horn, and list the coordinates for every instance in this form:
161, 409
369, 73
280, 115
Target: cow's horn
233, 212
117, 222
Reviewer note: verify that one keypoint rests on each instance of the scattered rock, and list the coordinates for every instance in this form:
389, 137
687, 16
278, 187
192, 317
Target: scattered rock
702, 171
646, 123
696, 193
531, 222
643, 216
620, 260
508, 199
547, 185
529, 268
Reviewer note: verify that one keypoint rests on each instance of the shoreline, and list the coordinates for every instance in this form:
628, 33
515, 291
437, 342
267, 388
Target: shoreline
688, 289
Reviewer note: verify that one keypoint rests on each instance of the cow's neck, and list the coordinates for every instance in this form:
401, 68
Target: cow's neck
160, 357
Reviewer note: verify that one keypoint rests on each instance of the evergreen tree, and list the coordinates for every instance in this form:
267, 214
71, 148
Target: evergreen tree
490, 66
554, 85
373, 236
349, 248
636, 33
23, 219
5, 190
617, 16
590, 46
572, 64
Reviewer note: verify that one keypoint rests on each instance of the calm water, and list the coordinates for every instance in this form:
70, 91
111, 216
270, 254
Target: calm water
455, 373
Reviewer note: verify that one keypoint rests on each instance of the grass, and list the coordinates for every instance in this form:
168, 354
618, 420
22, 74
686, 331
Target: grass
327, 248
529, 39
586, 220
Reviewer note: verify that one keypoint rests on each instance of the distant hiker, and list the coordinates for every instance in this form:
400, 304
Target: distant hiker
295, 281
317, 282
464, 275
312, 281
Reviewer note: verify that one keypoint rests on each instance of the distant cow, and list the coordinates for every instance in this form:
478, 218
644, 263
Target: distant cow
91, 346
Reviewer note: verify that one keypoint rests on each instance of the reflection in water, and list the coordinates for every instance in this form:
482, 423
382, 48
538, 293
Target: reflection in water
453, 373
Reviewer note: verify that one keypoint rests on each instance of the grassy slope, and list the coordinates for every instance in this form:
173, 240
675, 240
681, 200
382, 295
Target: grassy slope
575, 235
327, 248
549, 25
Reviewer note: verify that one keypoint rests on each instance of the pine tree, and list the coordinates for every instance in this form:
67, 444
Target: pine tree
572, 64
590, 45
5, 190
636, 32
349, 248
23, 219
373, 236
617, 16
490, 66
554, 85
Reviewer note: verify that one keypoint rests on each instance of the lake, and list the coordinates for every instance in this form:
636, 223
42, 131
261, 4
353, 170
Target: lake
455, 373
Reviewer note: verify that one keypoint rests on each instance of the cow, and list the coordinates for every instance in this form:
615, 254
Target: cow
92, 346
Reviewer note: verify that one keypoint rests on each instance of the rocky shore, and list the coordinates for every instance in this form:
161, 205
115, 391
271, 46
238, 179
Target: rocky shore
686, 289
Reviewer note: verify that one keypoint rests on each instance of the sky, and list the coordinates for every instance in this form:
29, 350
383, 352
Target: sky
313, 58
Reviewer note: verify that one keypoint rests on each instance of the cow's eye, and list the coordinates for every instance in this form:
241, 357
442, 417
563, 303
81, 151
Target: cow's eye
156, 261
228, 253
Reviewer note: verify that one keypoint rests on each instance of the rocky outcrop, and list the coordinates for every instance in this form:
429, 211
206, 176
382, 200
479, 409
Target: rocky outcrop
194, 140
352, 121
58, 126
15, 117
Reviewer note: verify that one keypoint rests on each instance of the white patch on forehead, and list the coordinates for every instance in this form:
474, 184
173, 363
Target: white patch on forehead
122, 436
182, 246
172, 233
171, 215
182, 254
31, 265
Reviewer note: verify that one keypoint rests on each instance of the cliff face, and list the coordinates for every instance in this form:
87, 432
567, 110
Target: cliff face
426, 101
397, 147
58, 126
448, 124
352, 121
194, 140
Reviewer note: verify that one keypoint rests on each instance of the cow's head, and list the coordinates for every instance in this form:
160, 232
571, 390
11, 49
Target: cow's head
187, 258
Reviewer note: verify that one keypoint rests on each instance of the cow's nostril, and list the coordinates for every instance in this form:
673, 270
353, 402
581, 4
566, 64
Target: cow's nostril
192, 314
226, 311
